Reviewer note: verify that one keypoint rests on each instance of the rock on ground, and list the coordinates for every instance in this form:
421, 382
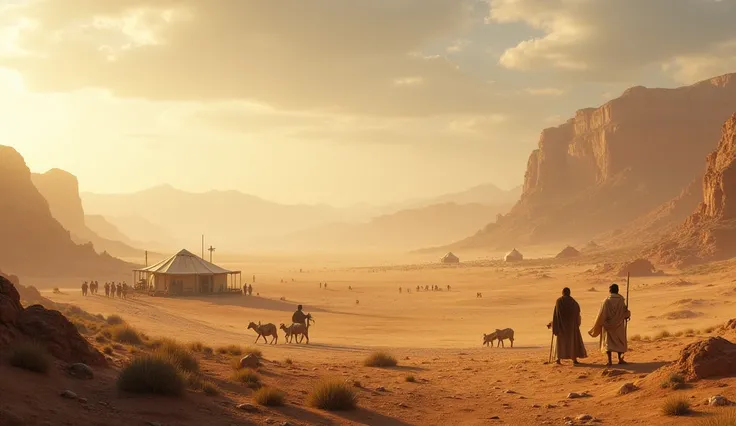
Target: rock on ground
712, 357
249, 361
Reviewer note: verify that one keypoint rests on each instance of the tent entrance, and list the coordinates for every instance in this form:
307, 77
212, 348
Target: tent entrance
205, 284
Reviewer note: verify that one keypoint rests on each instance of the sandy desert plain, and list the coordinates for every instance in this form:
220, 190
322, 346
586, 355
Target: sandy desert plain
435, 335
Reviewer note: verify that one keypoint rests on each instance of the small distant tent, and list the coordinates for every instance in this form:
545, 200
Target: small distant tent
567, 253
187, 274
513, 256
450, 258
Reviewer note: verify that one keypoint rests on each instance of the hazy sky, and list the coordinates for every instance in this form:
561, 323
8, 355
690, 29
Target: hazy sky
335, 101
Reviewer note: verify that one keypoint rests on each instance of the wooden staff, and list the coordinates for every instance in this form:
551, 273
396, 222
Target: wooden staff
628, 277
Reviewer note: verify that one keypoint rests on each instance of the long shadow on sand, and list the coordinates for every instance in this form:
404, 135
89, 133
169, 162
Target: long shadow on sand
253, 302
368, 417
633, 367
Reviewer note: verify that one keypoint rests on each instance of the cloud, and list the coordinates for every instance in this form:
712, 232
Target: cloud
606, 39
331, 55
546, 91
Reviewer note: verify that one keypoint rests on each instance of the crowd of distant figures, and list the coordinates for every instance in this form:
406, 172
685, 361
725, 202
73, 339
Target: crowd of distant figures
425, 288
111, 289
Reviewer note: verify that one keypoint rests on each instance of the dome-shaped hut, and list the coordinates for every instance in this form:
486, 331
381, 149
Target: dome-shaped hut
513, 256
450, 258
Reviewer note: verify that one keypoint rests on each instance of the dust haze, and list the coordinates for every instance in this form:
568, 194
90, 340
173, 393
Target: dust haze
373, 214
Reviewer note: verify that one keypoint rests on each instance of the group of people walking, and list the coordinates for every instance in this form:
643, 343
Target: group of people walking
248, 290
111, 289
610, 325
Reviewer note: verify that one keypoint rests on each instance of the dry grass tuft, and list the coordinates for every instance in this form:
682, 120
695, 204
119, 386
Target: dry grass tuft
152, 374
115, 320
675, 381
333, 395
727, 418
248, 377
676, 407
30, 356
179, 354
380, 359
269, 397
123, 333
410, 379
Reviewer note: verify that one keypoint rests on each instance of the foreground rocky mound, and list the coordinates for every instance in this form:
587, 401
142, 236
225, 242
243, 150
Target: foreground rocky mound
47, 327
608, 166
39, 245
710, 233
713, 357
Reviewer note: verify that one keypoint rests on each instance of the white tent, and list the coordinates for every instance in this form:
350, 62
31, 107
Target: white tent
513, 256
450, 258
186, 273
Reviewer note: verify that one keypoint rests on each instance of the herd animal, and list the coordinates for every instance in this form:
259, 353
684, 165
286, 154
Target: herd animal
499, 335
295, 331
265, 330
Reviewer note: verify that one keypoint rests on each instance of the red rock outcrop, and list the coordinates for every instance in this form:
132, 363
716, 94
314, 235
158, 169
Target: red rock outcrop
712, 357
48, 327
710, 232
61, 190
34, 243
610, 165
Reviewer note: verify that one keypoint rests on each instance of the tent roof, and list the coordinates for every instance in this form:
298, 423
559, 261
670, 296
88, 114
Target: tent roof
185, 263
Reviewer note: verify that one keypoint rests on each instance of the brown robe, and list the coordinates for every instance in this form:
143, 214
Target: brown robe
566, 326
611, 324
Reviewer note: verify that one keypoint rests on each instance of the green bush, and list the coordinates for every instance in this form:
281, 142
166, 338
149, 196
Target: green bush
152, 374
333, 395
380, 359
269, 397
30, 356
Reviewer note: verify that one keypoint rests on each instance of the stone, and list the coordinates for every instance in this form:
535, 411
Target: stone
69, 394
584, 417
576, 395
153, 424
82, 400
248, 408
627, 388
612, 372
81, 371
380, 389
509, 391
712, 357
249, 361
718, 401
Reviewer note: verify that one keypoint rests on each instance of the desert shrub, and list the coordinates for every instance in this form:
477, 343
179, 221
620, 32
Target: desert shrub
209, 388
269, 397
676, 407
333, 395
234, 350
689, 332
288, 361
410, 379
646, 338
636, 338
662, 335
152, 373
196, 346
179, 354
380, 359
709, 330
100, 338
107, 350
727, 418
123, 333
115, 320
674, 381
30, 356
208, 350
248, 377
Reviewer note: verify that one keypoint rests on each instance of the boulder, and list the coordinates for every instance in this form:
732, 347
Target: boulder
249, 361
48, 327
712, 357
81, 371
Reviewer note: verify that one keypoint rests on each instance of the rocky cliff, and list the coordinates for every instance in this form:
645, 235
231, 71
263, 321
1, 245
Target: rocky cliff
710, 232
61, 191
34, 243
607, 166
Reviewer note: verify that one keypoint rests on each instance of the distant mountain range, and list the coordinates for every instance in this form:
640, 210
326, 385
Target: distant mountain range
236, 221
